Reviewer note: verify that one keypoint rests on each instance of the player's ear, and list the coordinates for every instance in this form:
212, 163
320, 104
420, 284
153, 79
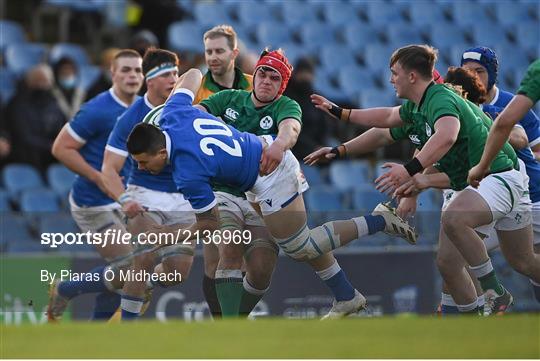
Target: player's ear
235, 53
162, 153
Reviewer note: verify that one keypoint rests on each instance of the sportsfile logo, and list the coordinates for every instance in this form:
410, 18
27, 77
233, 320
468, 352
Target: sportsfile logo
231, 114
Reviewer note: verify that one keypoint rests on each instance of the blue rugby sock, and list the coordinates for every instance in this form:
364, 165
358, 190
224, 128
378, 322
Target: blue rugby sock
337, 281
106, 305
131, 307
375, 223
70, 289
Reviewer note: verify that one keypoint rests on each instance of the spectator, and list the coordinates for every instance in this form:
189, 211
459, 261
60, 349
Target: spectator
143, 40
67, 92
35, 118
315, 128
104, 82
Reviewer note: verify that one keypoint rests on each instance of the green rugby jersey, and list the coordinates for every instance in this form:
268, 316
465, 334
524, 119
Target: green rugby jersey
236, 108
439, 101
530, 85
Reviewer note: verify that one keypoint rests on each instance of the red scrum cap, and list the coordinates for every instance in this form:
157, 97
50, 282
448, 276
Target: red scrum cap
278, 62
437, 78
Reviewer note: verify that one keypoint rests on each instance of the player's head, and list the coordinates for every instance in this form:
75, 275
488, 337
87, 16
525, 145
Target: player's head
471, 86
146, 144
411, 65
483, 61
126, 70
271, 75
220, 49
160, 68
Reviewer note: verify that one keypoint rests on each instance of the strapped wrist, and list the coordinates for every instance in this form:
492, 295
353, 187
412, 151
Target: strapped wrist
340, 151
414, 166
124, 198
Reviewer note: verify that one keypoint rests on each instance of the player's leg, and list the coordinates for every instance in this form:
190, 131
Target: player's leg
536, 241
260, 260
211, 259
95, 220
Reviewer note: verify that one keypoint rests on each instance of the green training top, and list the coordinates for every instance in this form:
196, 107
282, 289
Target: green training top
236, 108
439, 101
530, 85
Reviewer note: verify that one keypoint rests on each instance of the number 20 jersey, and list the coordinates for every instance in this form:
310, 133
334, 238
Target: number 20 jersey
202, 149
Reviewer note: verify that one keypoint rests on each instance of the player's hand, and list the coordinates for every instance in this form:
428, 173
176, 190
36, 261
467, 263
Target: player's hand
271, 157
322, 103
132, 209
322, 155
406, 207
395, 176
476, 174
412, 187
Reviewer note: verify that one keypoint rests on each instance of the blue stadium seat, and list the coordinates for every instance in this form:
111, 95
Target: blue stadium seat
295, 13
403, 34
14, 228
324, 86
26, 246
466, 13
358, 35
322, 199
446, 35
8, 84
528, 34
507, 12
185, 36
251, 15
383, 13
4, 201
489, 35
20, 177
336, 56
314, 34
424, 13
88, 74
353, 80
273, 34
39, 200
12, 33
377, 98
429, 200
21, 57
57, 223
367, 197
339, 13
512, 58
346, 175
66, 50
60, 179
313, 175
294, 52
209, 14
377, 56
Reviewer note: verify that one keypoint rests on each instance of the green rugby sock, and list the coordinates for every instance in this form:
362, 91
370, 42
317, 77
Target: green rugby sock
229, 291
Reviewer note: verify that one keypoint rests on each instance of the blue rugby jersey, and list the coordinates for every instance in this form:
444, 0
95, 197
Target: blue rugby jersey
161, 182
92, 126
532, 166
202, 149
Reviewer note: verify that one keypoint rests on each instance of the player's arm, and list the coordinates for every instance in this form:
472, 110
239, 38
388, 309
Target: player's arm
501, 128
190, 80
387, 117
518, 138
288, 131
536, 151
111, 168
66, 149
366, 142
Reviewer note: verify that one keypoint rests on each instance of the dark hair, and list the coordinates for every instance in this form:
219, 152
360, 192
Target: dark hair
472, 87
145, 138
154, 57
420, 58
65, 60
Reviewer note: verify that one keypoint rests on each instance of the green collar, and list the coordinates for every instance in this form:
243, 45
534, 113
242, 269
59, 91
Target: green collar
240, 82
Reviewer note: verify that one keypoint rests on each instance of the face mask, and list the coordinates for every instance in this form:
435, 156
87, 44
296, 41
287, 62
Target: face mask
68, 83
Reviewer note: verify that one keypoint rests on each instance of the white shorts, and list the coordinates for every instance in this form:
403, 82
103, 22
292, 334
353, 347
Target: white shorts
492, 241
276, 190
507, 194
240, 207
96, 219
165, 208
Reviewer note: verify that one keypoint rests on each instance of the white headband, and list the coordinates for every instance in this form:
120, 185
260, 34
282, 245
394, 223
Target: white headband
160, 69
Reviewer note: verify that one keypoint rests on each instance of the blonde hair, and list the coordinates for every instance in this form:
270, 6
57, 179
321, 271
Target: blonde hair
225, 31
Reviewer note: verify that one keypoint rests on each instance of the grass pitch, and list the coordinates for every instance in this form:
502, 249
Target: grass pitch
511, 336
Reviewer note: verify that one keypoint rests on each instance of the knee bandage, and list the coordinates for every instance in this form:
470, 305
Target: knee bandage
308, 244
